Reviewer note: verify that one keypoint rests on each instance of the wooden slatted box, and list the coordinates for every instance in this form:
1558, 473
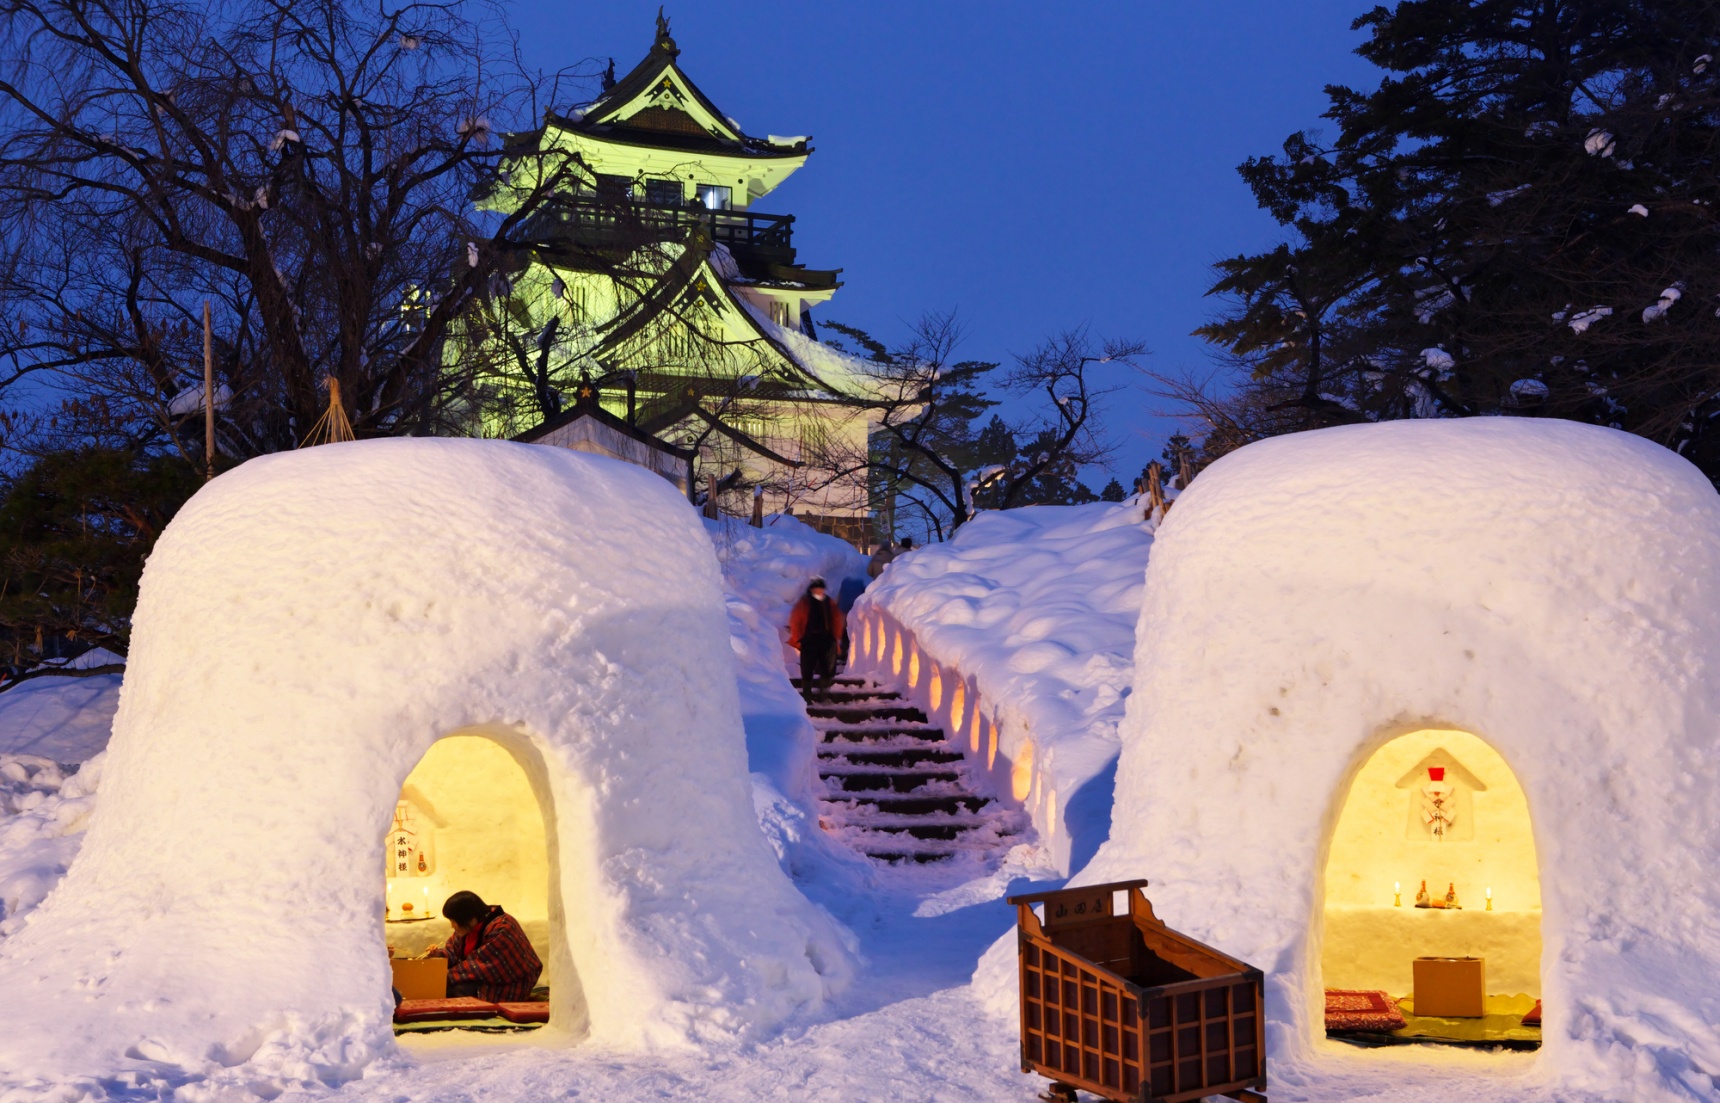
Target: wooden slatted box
1116, 1003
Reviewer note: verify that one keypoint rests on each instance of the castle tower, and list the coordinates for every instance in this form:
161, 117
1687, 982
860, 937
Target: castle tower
662, 294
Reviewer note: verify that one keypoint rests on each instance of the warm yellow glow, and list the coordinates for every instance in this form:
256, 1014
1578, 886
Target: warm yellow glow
1382, 839
1021, 771
866, 637
1051, 810
914, 666
937, 687
958, 710
896, 658
991, 744
489, 834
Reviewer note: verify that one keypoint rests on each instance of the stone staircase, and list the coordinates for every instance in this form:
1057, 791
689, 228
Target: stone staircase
895, 787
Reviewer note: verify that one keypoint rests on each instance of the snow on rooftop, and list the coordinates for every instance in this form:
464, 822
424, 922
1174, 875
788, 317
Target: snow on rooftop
837, 371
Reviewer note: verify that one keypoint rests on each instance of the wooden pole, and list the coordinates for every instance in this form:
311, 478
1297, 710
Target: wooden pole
208, 395
1155, 491
711, 509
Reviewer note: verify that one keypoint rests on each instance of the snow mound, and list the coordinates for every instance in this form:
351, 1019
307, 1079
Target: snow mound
307, 627
1038, 606
1315, 595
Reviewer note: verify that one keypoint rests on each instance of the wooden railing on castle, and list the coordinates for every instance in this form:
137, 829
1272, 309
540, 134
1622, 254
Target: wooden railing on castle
1116, 1003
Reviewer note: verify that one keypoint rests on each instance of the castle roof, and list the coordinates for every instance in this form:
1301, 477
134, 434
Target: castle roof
657, 104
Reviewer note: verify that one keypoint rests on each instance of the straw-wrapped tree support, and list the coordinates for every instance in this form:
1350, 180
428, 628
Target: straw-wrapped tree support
1116, 1003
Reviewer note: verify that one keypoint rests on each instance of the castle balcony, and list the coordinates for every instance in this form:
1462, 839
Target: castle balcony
598, 221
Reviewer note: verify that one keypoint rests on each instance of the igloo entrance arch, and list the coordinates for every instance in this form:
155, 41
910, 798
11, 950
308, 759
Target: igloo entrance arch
1441, 808
475, 814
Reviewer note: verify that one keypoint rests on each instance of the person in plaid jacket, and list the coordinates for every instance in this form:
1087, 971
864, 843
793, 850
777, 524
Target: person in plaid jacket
488, 954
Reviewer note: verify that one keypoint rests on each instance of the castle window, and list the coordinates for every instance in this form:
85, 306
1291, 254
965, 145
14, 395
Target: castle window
663, 193
714, 197
613, 188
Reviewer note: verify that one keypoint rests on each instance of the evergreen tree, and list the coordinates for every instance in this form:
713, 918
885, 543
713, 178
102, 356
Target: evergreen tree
1520, 220
1113, 492
75, 529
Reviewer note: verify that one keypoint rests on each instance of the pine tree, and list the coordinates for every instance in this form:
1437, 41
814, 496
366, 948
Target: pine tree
1521, 219
75, 529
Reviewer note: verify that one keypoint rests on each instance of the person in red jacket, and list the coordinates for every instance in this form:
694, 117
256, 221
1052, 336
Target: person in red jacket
814, 629
488, 954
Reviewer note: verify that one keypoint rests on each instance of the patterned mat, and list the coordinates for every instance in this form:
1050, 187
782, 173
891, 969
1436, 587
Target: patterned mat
1348, 1009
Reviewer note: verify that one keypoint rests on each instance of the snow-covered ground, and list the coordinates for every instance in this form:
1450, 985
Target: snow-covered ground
913, 1025
52, 734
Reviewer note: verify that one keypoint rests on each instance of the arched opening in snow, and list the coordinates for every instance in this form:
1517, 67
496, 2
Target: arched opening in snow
1438, 807
475, 814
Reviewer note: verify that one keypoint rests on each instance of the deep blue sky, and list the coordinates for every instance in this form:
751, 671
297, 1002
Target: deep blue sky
1033, 166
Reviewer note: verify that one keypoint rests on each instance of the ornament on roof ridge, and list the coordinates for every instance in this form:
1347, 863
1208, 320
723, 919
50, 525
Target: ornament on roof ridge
664, 42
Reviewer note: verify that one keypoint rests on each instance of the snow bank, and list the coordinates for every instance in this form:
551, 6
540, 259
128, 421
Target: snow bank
1037, 606
1551, 587
308, 626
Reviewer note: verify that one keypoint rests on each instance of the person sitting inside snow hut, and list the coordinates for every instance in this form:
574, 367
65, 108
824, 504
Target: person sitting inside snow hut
488, 954
815, 627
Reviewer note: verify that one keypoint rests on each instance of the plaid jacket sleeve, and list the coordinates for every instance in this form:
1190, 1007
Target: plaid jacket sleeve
504, 965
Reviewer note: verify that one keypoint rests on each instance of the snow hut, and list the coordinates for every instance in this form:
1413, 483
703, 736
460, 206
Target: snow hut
313, 627
1526, 612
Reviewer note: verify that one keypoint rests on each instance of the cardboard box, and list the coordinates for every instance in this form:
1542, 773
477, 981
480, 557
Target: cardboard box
1451, 987
421, 978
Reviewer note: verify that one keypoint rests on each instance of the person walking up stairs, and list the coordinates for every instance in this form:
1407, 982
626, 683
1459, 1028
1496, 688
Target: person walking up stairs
815, 628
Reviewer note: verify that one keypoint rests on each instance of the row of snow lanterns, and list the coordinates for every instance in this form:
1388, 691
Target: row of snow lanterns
900, 654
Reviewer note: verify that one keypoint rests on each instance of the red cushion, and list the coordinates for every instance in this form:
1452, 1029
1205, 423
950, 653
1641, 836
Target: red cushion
524, 1011
418, 1011
1533, 1018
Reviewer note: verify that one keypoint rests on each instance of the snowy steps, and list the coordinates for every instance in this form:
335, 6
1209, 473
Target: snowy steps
894, 786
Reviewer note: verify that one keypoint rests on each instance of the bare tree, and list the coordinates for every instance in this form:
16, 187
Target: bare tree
928, 453
307, 166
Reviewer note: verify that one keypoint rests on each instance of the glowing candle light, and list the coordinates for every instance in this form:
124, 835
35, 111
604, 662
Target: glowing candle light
1397, 894
1489, 897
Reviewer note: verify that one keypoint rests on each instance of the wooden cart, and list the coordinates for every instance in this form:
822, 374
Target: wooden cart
1116, 1003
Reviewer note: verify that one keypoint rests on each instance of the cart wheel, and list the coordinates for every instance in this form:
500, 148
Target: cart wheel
1060, 1092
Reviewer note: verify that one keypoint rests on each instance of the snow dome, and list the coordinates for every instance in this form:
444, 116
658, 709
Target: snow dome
1476, 653
532, 641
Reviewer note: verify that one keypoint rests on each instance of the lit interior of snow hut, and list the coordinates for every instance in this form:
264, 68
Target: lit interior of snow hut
1440, 809
467, 818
